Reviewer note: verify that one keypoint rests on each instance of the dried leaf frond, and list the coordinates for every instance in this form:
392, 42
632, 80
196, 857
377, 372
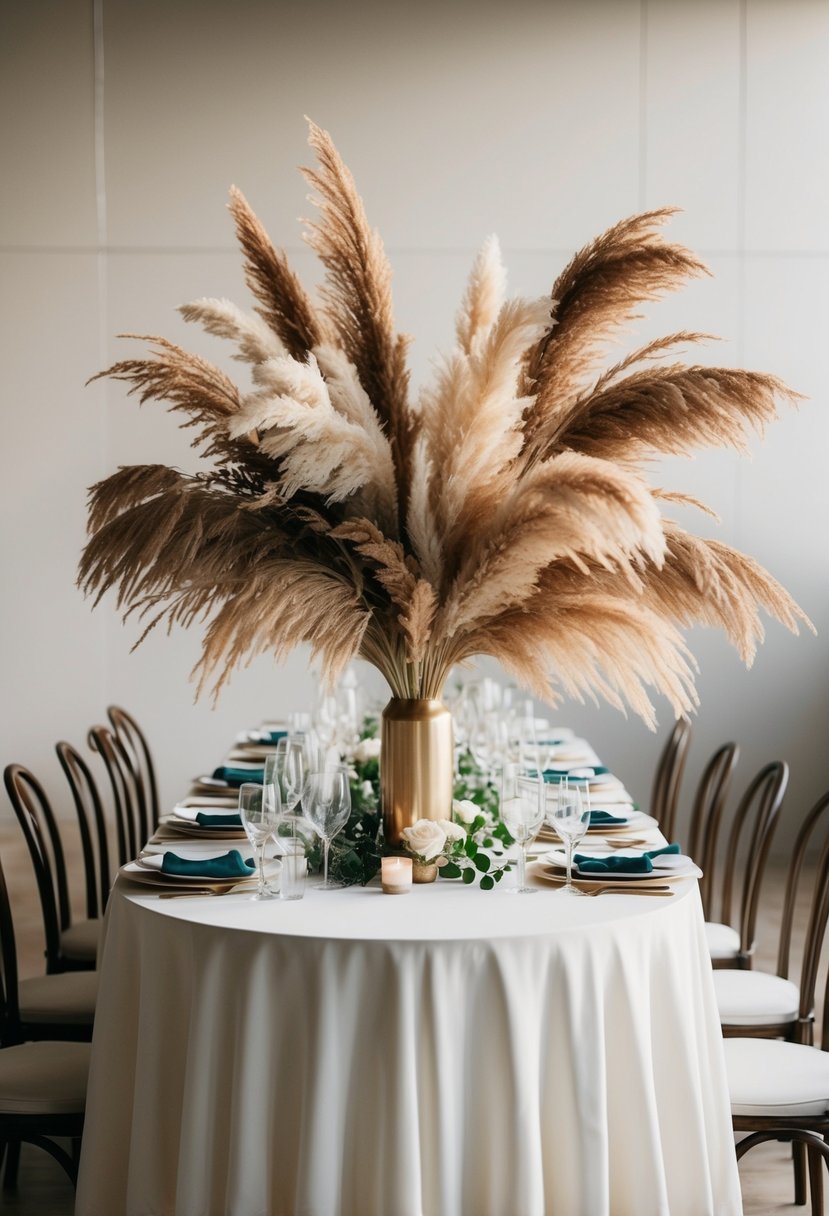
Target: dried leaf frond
358, 293
223, 318
284, 305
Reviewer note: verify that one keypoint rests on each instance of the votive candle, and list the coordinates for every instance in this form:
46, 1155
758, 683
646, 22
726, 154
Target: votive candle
396, 875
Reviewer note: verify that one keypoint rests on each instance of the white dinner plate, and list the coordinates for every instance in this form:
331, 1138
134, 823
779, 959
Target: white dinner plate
190, 828
148, 868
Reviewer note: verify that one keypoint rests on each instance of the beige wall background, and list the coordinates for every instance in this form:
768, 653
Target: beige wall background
123, 125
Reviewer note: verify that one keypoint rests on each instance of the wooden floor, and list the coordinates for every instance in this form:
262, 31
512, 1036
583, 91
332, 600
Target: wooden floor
43, 1190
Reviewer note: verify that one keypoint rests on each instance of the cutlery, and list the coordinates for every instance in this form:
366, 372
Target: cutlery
212, 890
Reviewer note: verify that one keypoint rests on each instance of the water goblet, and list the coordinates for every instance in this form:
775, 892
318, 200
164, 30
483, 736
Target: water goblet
260, 813
569, 815
326, 802
522, 810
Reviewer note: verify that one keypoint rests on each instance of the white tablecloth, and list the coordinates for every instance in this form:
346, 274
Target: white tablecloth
450, 1052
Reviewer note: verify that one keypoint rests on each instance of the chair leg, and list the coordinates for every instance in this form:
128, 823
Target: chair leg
12, 1163
816, 1181
799, 1164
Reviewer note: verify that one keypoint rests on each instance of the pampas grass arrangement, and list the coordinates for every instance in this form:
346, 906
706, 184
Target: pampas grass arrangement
505, 511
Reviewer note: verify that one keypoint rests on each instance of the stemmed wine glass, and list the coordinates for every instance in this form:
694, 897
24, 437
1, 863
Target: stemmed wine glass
260, 813
522, 810
326, 801
569, 815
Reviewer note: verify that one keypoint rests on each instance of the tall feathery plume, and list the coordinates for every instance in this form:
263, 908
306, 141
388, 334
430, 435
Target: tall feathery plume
358, 296
509, 514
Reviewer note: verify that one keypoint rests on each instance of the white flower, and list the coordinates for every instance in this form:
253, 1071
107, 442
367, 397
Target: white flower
367, 749
367, 789
453, 831
465, 810
425, 839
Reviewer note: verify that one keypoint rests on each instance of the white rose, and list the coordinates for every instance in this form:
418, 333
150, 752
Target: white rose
367, 749
465, 810
452, 831
425, 839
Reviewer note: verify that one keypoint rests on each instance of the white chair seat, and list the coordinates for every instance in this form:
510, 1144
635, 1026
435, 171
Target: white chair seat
80, 941
768, 1078
755, 998
44, 1078
723, 941
68, 997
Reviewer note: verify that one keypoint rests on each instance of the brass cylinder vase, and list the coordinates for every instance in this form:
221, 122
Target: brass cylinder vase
416, 764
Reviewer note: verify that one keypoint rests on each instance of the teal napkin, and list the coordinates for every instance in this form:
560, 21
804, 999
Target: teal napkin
553, 775
229, 865
604, 819
238, 776
205, 819
622, 865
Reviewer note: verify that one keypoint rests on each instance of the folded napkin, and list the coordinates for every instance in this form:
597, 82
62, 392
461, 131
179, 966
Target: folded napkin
562, 774
622, 865
604, 819
238, 776
206, 819
229, 865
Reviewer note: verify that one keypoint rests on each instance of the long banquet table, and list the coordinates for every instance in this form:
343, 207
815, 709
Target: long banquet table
452, 1053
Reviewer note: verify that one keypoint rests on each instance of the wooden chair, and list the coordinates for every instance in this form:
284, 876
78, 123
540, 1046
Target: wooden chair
668, 776
768, 1005
92, 826
780, 1089
706, 815
135, 745
43, 1083
68, 946
749, 841
130, 824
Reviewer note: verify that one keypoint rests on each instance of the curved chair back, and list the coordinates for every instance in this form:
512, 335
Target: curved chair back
749, 842
131, 832
10, 1031
135, 745
40, 831
706, 815
92, 827
668, 776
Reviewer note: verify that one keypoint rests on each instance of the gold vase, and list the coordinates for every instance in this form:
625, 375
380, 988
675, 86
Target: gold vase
416, 764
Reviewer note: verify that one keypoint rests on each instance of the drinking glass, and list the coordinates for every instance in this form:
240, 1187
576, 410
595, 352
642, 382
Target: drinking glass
260, 815
522, 810
286, 769
294, 870
326, 801
568, 813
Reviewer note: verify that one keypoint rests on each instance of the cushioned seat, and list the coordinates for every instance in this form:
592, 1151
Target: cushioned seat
44, 1078
755, 998
768, 1078
723, 941
65, 998
80, 942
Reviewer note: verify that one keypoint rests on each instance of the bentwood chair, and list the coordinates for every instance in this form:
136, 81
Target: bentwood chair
768, 1005
749, 841
42, 1083
92, 826
137, 750
706, 815
130, 824
780, 1089
69, 946
668, 777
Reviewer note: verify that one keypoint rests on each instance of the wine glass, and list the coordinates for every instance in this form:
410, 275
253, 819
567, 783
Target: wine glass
326, 801
569, 815
522, 810
260, 814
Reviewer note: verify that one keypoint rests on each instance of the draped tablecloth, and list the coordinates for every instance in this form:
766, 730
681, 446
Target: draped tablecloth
450, 1052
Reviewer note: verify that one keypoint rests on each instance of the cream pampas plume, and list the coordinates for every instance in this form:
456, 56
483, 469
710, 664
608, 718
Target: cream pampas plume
506, 512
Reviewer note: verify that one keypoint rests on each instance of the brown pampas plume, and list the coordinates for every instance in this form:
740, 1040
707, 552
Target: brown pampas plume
507, 512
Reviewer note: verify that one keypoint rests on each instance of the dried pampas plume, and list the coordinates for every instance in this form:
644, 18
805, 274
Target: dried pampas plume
505, 512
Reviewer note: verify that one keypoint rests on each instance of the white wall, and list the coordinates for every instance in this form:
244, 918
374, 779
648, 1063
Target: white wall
124, 123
